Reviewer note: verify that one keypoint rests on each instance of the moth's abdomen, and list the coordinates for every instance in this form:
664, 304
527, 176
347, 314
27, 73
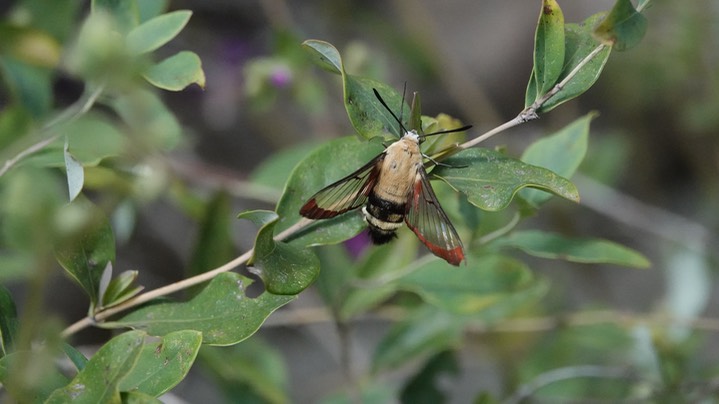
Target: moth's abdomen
383, 218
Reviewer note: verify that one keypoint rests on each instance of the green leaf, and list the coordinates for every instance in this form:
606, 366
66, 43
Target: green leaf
329, 163
156, 32
149, 9
252, 368
87, 245
77, 358
176, 72
367, 115
588, 251
623, 28
8, 321
370, 286
120, 289
214, 245
274, 171
324, 55
30, 85
98, 381
561, 152
222, 312
136, 397
91, 139
285, 269
162, 363
147, 115
426, 331
580, 43
75, 174
548, 50
30, 376
487, 282
490, 179
124, 12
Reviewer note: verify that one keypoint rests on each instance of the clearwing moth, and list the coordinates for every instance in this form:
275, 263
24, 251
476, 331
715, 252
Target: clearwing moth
390, 188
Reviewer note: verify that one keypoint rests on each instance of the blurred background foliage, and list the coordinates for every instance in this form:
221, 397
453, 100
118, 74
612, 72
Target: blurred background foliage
649, 182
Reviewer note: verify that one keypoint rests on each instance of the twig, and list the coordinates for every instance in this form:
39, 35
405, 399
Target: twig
570, 372
530, 113
174, 287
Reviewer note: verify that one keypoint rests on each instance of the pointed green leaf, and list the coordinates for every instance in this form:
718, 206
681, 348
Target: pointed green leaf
75, 174
426, 331
324, 55
8, 321
163, 362
490, 179
285, 269
488, 282
580, 43
120, 289
366, 113
77, 358
136, 397
327, 164
87, 245
548, 48
214, 245
222, 312
623, 28
30, 85
588, 251
156, 32
176, 72
149, 9
561, 152
98, 381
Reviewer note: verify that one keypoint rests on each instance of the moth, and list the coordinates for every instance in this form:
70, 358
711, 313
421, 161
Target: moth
391, 188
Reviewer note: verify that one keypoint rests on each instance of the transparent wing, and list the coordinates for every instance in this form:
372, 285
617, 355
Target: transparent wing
431, 225
349, 193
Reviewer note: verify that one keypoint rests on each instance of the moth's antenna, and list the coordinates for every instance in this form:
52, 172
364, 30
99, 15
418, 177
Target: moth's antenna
401, 110
462, 129
401, 127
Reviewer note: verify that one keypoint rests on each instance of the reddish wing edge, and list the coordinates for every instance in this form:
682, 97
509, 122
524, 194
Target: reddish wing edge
349, 193
431, 225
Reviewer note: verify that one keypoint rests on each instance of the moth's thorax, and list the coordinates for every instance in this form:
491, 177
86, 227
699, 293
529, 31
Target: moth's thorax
399, 169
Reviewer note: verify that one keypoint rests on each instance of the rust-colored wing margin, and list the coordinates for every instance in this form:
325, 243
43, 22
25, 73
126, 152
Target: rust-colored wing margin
431, 225
349, 193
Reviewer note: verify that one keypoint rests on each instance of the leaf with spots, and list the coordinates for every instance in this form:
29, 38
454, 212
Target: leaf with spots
491, 179
98, 381
87, 245
327, 164
163, 362
366, 113
222, 312
285, 269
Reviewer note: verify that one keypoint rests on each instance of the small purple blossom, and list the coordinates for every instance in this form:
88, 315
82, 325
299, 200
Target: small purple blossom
280, 76
358, 244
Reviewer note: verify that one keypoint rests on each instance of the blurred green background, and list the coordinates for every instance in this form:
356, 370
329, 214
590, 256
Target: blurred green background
650, 180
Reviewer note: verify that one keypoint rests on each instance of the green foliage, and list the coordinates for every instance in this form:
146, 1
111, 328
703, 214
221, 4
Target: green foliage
69, 174
222, 312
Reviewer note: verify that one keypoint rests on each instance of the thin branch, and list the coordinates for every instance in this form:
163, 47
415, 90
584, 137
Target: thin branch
570, 372
175, 287
530, 113
71, 114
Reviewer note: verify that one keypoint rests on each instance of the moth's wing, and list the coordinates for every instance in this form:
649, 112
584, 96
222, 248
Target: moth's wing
429, 222
349, 193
